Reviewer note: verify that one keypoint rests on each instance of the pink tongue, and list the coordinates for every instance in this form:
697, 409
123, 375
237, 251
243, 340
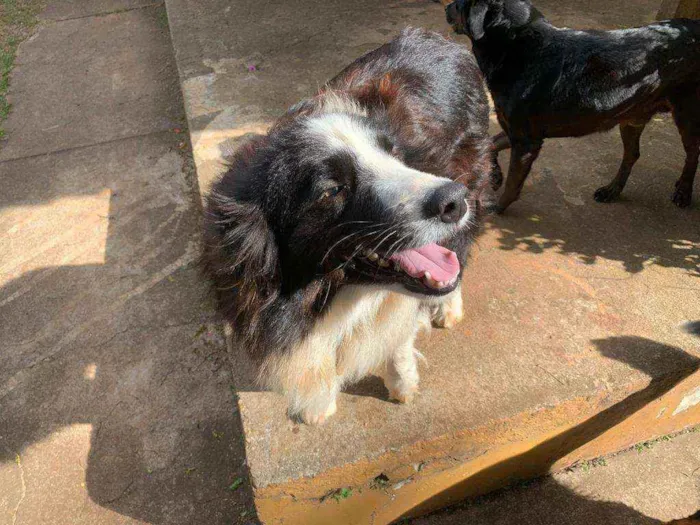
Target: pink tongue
440, 262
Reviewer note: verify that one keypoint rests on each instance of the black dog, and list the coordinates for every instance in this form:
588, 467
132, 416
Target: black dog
332, 239
551, 82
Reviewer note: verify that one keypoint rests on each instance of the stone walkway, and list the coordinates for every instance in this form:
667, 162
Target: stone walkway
115, 400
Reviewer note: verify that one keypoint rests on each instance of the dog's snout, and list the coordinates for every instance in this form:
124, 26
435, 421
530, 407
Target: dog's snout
448, 202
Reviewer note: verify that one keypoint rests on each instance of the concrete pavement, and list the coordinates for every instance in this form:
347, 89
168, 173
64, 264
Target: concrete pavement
650, 484
115, 400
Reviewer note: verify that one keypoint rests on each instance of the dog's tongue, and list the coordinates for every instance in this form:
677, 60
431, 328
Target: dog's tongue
440, 262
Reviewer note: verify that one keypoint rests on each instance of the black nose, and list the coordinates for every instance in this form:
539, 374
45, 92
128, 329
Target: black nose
448, 202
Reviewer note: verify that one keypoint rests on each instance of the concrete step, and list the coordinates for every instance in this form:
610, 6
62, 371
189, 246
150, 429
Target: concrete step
570, 348
653, 483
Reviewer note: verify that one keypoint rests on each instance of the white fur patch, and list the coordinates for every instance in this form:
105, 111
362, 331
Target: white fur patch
363, 330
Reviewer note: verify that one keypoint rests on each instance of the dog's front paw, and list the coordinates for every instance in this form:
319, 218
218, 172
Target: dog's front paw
403, 394
607, 193
316, 418
682, 197
450, 312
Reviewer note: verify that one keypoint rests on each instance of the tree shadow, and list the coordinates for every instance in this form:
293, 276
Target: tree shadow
557, 214
666, 367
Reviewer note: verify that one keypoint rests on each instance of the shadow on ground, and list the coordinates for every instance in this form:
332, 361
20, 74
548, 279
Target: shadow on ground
625, 232
113, 376
550, 503
643, 230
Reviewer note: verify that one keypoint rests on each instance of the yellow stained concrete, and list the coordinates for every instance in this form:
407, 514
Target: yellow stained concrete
477, 462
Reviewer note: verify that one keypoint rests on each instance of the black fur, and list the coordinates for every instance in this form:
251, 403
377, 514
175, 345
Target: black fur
275, 221
550, 82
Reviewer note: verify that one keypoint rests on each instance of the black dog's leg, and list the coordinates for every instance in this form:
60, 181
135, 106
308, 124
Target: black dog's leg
499, 143
687, 116
630, 139
522, 156
684, 185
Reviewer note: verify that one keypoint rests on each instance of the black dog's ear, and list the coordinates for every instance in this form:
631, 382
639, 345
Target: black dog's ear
517, 12
477, 18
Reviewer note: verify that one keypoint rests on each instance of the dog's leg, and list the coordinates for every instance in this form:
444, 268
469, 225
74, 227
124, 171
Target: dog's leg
687, 116
307, 378
631, 133
401, 377
449, 312
521, 158
683, 195
316, 402
499, 143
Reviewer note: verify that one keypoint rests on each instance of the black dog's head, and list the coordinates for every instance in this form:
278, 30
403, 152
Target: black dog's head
325, 197
473, 17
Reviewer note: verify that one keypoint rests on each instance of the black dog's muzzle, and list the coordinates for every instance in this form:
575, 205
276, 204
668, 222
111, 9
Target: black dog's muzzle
453, 18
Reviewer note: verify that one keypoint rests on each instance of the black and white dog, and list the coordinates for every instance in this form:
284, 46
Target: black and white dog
551, 82
335, 237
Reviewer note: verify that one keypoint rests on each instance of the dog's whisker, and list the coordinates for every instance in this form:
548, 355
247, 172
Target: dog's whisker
358, 249
325, 299
356, 222
396, 244
336, 244
388, 236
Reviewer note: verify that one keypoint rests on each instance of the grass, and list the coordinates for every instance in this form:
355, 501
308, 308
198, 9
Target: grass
17, 22
236, 484
338, 495
640, 448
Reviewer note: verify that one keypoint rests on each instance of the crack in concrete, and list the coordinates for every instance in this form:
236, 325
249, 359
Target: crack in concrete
550, 374
124, 491
84, 146
18, 460
104, 13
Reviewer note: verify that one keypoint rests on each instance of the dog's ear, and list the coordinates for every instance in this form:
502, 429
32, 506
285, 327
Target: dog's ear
517, 12
241, 254
477, 18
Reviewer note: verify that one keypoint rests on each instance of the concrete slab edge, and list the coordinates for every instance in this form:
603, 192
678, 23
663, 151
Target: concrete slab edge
431, 475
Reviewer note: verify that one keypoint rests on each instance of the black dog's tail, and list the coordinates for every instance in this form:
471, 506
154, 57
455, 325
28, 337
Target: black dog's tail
692, 327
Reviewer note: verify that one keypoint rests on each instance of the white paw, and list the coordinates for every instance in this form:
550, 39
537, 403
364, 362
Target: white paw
450, 312
404, 394
316, 418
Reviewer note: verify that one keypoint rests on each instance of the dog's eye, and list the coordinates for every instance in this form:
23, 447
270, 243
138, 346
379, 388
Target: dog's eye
332, 192
386, 143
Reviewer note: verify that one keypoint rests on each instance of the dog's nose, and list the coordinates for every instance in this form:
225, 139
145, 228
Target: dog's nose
448, 202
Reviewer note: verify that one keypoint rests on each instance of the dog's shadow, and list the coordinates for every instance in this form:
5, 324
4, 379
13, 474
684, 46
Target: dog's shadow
371, 386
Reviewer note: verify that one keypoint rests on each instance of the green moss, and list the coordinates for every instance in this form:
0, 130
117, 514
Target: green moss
17, 22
